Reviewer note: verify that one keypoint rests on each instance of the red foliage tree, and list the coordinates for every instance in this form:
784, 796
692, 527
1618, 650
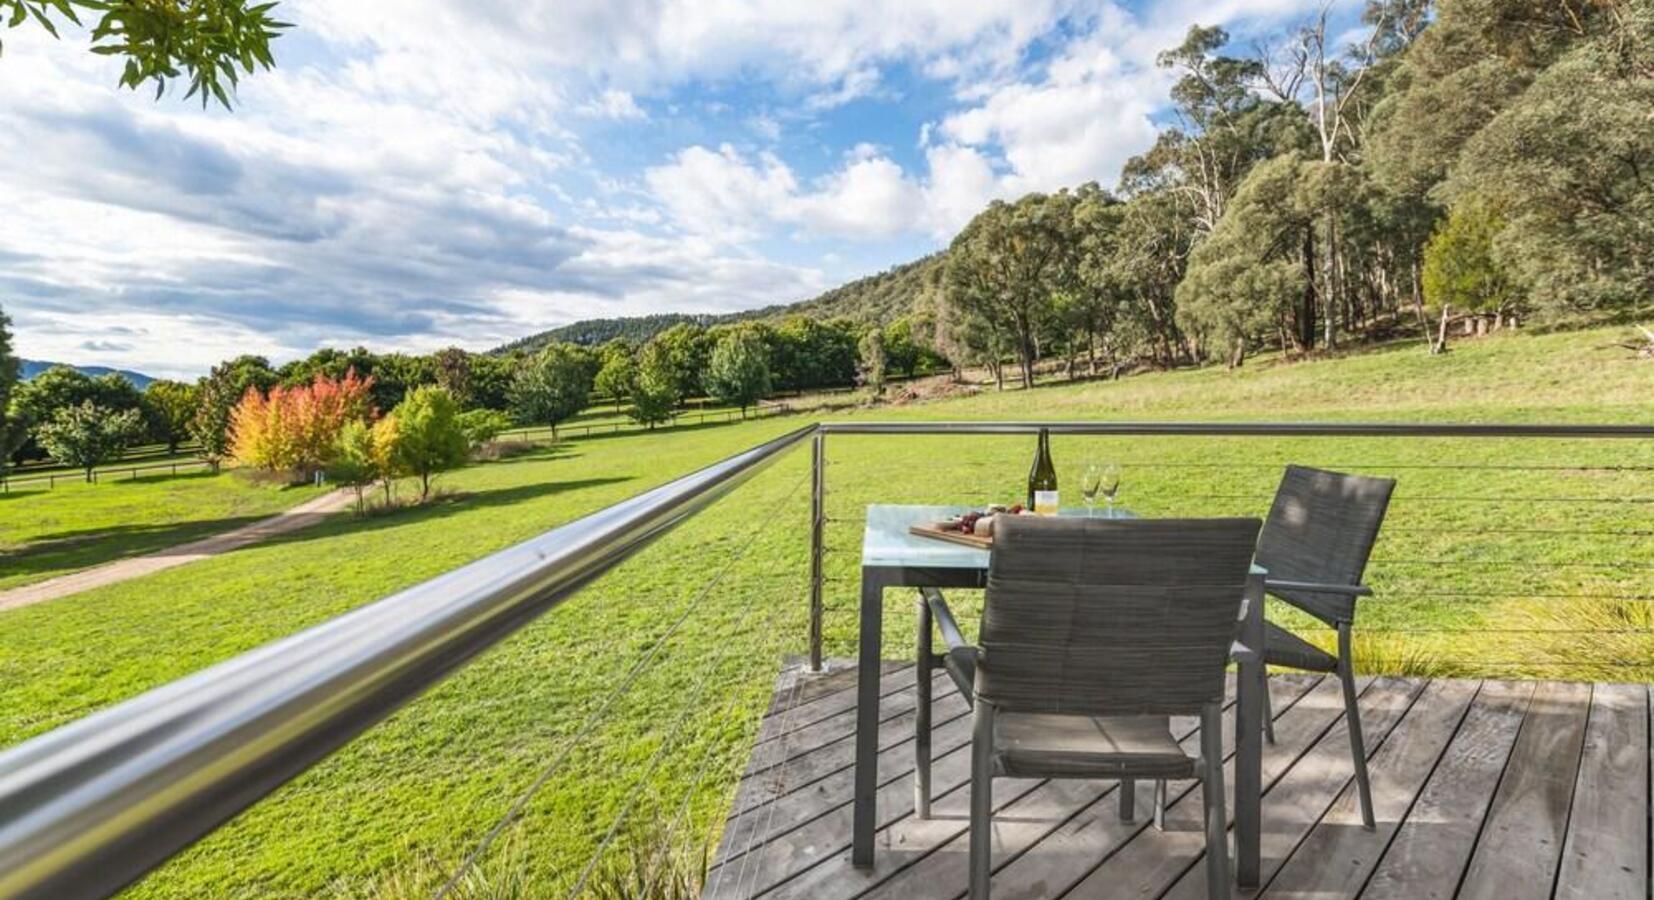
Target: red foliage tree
295, 429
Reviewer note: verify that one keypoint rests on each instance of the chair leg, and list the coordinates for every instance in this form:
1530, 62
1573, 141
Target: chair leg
982, 799
1128, 799
1268, 710
1352, 714
921, 715
1160, 804
1211, 786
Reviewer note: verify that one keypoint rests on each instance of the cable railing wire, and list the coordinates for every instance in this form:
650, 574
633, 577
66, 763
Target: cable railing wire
684, 716
515, 811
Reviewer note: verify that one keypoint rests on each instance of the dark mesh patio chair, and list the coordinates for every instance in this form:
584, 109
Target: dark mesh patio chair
1315, 544
1094, 633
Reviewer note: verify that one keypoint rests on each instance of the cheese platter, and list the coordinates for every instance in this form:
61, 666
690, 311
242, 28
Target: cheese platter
973, 529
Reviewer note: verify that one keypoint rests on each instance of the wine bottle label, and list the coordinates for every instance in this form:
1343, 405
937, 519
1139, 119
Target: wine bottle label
1045, 503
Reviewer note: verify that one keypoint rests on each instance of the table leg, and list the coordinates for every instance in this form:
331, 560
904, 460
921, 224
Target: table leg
1249, 740
867, 718
921, 714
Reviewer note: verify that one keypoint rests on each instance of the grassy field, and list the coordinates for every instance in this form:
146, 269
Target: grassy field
1485, 539
47, 533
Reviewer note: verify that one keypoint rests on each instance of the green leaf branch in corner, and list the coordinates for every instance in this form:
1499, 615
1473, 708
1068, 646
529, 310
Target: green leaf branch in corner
209, 43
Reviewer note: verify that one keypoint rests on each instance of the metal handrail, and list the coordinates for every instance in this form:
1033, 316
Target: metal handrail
1246, 429
88, 808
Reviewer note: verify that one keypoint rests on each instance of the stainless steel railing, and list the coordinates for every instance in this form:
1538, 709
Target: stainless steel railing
91, 806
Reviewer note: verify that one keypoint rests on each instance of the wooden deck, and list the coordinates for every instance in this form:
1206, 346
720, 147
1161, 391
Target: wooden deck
1502, 790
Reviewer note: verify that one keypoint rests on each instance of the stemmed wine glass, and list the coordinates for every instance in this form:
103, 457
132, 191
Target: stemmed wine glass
1108, 481
1090, 483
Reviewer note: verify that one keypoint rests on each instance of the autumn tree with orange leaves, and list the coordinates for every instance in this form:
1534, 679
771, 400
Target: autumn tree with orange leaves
296, 429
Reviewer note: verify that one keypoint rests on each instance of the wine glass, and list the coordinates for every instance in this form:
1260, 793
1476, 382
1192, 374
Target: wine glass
1109, 483
1090, 483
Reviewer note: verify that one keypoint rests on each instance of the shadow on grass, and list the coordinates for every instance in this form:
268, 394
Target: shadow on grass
62, 552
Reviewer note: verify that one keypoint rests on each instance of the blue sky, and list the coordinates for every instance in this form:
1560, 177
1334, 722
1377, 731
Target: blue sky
423, 173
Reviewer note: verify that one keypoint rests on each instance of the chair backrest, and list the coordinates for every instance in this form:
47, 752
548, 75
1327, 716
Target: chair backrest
1111, 616
1322, 528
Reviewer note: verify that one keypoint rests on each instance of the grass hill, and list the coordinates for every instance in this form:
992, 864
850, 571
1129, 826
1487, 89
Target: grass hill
877, 298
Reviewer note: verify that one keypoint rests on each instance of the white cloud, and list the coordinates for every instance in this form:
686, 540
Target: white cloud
720, 194
614, 104
728, 197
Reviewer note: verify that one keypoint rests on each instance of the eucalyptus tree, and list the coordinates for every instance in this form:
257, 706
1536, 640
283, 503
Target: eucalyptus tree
1001, 268
1252, 275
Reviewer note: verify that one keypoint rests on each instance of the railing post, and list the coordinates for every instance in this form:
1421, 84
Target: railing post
818, 524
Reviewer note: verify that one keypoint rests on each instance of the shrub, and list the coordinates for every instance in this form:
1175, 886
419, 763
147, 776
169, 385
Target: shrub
482, 426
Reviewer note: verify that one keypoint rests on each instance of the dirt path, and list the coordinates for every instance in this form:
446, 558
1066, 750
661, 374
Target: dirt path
304, 515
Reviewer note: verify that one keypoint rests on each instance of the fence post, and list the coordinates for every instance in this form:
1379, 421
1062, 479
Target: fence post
818, 523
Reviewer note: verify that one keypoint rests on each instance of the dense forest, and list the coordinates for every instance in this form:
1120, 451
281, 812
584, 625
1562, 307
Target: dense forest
875, 300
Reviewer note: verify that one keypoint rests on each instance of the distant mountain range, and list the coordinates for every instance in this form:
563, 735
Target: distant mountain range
33, 367
876, 299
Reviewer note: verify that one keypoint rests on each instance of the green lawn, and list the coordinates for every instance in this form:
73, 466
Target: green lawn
76, 525
1481, 538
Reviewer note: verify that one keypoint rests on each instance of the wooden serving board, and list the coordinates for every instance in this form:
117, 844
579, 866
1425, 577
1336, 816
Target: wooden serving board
939, 532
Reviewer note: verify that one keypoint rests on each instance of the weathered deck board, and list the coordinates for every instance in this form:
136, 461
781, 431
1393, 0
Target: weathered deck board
1301, 793
1498, 789
1521, 844
1433, 845
1340, 854
1606, 855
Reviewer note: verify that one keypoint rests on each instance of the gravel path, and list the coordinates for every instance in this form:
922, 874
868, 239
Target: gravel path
302, 516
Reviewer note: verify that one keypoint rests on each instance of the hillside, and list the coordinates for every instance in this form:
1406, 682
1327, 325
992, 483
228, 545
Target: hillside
877, 298
33, 367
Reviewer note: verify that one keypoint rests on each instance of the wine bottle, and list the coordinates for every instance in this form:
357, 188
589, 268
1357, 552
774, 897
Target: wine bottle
1042, 479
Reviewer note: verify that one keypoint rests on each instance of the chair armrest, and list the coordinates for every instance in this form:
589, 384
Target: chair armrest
1349, 590
944, 620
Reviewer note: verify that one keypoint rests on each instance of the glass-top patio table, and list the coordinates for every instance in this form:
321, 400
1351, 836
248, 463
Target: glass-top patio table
892, 557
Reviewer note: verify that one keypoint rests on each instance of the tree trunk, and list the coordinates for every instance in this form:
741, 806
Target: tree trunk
1329, 307
1237, 356
1027, 350
1418, 305
1440, 344
1306, 314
